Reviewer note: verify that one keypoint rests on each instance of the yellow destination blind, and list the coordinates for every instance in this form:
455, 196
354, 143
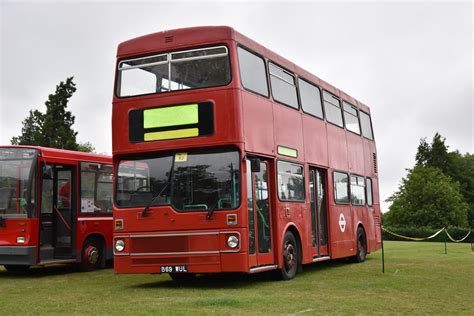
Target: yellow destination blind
171, 122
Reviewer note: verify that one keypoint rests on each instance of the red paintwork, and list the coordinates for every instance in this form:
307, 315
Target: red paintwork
83, 229
255, 125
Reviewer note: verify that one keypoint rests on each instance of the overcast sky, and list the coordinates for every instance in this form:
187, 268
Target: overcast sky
412, 63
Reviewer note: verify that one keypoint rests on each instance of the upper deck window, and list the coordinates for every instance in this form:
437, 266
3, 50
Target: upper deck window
182, 70
366, 125
252, 72
351, 118
310, 98
283, 86
332, 106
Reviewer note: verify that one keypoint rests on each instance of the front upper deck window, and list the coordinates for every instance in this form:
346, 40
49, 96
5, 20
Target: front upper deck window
182, 70
17, 182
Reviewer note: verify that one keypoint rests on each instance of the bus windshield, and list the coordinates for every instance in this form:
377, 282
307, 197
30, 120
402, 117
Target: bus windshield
17, 182
188, 181
190, 69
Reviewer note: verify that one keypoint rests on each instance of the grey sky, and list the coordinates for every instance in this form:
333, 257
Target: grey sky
410, 62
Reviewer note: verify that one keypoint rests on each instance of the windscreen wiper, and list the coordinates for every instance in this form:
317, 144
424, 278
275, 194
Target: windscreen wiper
145, 210
212, 209
170, 176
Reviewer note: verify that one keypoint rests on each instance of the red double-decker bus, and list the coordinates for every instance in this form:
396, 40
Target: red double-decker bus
230, 158
55, 207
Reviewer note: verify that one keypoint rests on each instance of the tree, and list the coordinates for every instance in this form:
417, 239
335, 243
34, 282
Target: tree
85, 147
453, 164
31, 132
434, 154
427, 198
53, 128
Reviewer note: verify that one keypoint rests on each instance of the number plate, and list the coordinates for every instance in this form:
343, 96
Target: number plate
174, 269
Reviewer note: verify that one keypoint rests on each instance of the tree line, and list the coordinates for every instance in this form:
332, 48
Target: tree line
437, 192
54, 127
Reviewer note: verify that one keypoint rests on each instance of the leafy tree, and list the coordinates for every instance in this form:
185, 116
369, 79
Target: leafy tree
453, 164
31, 132
434, 154
85, 147
427, 198
53, 128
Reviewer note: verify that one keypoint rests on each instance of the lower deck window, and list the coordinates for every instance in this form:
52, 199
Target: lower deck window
357, 190
341, 188
290, 181
96, 188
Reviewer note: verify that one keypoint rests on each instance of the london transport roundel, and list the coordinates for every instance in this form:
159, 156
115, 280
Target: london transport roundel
342, 222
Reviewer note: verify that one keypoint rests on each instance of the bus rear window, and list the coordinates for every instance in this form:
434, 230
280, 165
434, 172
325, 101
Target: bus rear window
182, 70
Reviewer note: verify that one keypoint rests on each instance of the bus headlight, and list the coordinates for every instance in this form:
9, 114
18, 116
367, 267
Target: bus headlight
20, 240
119, 245
232, 242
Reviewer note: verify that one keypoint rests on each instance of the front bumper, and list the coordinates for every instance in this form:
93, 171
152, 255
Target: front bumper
199, 251
18, 255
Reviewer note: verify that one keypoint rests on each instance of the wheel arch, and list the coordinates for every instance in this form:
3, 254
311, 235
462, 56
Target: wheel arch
292, 227
99, 237
361, 225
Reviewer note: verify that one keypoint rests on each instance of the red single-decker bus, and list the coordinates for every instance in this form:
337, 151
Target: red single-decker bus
55, 207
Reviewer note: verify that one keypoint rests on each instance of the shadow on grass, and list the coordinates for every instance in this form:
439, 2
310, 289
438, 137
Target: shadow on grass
40, 272
213, 281
240, 280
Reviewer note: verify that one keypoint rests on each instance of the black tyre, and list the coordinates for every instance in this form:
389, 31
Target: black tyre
361, 246
16, 269
290, 257
92, 253
183, 277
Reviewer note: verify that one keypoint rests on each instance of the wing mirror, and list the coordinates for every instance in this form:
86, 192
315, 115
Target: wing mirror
255, 165
47, 172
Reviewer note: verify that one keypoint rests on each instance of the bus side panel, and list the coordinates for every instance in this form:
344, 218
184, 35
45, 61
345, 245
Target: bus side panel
100, 226
315, 141
337, 148
355, 155
257, 119
288, 128
341, 228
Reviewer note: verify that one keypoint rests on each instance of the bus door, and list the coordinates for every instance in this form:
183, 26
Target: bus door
319, 219
259, 210
57, 213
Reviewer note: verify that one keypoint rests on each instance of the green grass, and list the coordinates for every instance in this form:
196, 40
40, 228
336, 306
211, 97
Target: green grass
419, 279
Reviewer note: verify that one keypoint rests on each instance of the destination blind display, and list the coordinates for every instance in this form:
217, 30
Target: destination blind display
171, 122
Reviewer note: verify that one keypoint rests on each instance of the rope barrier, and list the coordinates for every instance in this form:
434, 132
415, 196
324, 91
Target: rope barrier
413, 238
459, 240
429, 237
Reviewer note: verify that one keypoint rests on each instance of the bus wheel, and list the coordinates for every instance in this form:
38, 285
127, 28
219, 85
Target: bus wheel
361, 246
16, 269
91, 255
290, 257
183, 277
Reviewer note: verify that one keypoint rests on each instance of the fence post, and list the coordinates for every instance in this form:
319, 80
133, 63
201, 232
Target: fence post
445, 244
383, 257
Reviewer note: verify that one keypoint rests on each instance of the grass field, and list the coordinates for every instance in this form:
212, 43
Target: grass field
419, 279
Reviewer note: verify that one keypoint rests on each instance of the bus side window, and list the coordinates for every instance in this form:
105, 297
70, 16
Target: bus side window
96, 188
